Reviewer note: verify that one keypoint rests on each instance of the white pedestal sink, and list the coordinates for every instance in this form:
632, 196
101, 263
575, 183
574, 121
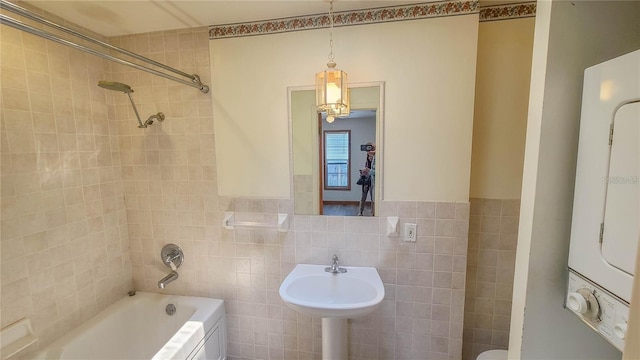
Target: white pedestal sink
312, 291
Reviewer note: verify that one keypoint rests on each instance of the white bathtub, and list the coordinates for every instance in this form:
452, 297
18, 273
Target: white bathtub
138, 327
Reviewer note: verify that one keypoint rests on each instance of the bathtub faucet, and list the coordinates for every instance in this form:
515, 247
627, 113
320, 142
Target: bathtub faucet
167, 279
171, 257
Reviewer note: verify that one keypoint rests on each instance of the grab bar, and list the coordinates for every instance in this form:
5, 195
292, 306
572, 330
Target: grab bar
229, 222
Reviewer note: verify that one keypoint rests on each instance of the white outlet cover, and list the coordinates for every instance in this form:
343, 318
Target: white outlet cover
410, 232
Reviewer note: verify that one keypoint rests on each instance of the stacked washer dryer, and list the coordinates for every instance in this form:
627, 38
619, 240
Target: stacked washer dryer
605, 225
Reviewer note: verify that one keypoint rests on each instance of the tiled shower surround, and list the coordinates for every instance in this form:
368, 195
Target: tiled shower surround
493, 235
65, 244
88, 200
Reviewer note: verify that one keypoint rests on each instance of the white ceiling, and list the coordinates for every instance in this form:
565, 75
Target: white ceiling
111, 18
121, 17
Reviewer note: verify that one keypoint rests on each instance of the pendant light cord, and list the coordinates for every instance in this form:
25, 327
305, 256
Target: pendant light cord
331, 56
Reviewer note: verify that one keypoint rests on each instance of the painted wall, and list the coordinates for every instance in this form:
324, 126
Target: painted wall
502, 94
304, 145
500, 116
428, 102
304, 129
565, 43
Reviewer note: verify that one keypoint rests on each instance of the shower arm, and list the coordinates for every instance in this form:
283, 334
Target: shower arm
135, 110
6, 20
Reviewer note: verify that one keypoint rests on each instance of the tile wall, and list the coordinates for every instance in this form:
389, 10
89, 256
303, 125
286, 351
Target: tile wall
169, 177
64, 245
420, 318
303, 194
88, 200
168, 169
493, 235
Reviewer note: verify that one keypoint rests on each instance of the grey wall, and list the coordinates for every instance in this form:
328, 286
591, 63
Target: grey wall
582, 34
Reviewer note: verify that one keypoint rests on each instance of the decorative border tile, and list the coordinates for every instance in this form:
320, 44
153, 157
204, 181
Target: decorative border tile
346, 18
508, 11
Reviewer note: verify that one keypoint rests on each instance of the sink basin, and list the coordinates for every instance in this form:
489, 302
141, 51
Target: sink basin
310, 290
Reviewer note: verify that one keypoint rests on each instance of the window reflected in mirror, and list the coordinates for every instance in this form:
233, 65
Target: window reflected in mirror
337, 159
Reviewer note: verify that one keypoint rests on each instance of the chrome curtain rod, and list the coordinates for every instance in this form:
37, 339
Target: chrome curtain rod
5, 20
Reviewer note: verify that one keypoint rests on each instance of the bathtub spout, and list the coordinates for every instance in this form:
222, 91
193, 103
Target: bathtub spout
167, 279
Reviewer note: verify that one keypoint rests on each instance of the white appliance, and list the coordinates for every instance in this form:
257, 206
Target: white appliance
606, 209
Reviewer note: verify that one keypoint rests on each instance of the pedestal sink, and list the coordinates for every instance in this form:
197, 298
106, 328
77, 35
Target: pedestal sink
334, 297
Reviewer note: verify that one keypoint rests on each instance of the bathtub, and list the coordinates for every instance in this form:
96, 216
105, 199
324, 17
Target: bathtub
139, 327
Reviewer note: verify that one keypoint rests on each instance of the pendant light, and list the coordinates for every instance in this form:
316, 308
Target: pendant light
332, 92
341, 112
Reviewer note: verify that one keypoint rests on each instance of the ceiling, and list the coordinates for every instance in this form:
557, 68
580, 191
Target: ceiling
121, 17
111, 18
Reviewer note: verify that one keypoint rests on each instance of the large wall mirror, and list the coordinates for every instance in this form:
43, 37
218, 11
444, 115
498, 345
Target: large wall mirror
331, 160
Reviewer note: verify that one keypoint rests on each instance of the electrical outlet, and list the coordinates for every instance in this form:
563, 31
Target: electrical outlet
410, 232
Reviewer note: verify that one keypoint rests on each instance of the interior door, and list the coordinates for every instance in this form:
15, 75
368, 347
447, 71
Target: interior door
622, 205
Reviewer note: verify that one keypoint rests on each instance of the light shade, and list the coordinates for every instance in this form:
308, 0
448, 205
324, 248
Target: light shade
332, 93
343, 111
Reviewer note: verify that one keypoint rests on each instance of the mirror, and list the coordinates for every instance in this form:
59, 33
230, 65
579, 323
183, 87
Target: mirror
329, 158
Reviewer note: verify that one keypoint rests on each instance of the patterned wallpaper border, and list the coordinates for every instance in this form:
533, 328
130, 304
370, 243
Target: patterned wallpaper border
372, 16
346, 18
508, 11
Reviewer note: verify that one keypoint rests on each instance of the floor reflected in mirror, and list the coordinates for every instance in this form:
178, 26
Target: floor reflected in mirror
345, 209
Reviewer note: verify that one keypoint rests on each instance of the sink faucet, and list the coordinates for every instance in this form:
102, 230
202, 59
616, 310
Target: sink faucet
167, 279
335, 267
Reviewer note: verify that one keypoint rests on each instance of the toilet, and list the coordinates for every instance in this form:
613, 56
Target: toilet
493, 355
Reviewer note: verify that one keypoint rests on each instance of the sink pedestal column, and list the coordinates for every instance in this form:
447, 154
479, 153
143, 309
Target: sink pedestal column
335, 339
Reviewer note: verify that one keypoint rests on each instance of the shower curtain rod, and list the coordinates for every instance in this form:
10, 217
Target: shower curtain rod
6, 20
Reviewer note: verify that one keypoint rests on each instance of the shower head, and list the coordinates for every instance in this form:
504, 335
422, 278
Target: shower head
115, 86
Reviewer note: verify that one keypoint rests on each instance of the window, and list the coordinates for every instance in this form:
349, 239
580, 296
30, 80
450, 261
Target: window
337, 145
